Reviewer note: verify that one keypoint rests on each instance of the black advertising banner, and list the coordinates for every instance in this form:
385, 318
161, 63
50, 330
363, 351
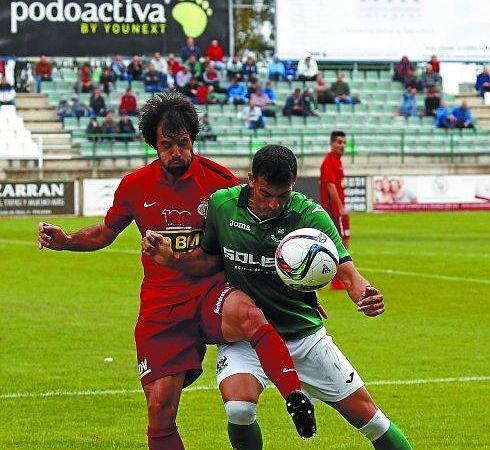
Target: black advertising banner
37, 198
105, 27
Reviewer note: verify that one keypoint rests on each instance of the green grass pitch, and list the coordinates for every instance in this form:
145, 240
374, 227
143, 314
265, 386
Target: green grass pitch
62, 313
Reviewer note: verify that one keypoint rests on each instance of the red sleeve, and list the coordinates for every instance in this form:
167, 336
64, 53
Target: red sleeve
328, 172
119, 215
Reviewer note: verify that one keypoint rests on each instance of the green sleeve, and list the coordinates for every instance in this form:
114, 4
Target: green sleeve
210, 241
319, 219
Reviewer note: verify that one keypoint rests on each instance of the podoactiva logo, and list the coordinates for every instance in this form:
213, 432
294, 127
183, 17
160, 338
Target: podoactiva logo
116, 16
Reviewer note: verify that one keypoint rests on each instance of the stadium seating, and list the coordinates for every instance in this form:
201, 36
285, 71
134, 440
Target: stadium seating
15, 141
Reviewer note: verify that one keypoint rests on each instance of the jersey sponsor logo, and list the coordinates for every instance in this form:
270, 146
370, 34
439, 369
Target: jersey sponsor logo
288, 370
143, 368
221, 364
147, 205
202, 208
242, 226
183, 240
248, 258
175, 217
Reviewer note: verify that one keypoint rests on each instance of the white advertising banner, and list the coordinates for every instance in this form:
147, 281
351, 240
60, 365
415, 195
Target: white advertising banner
383, 30
431, 193
98, 195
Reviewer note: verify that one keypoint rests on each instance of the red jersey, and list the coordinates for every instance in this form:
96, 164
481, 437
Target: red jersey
151, 198
332, 171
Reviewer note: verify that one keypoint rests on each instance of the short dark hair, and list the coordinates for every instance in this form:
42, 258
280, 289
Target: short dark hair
277, 164
335, 134
175, 113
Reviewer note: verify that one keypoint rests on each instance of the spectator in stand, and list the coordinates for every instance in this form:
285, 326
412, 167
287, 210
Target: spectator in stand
212, 77
411, 81
126, 127
2, 67
182, 79
194, 67
119, 69
234, 68
482, 84
462, 116
253, 116
432, 102
251, 88
408, 107
260, 99
152, 79
191, 90
109, 127
276, 70
323, 92
107, 81
308, 101
93, 128
161, 65
63, 109
190, 49
236, 93
7, 92
174, 66
85, 79
206, 130
215, 53
289, 71
43, 71
78, 108
97, 104
431, 79
294, 104
249, 69
401, 69
307, 68
444, 118
129, 103
434, 62
341, 91
135, 69
270, 92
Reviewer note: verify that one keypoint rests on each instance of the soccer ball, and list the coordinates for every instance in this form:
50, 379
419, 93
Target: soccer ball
306, 259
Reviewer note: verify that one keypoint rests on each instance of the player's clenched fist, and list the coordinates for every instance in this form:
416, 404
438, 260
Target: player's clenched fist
372, 302
157, 247
52, 237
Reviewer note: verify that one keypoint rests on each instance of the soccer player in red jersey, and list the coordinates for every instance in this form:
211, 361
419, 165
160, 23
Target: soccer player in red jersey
179, 314
332, 196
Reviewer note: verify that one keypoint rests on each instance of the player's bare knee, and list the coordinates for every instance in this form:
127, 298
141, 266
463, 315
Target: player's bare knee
162, 411
253, 319
240, 412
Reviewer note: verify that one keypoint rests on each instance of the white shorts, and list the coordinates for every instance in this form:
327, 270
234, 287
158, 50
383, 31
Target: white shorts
324, 371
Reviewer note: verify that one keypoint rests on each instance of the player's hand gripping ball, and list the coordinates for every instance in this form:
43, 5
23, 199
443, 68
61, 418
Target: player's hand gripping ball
306, 259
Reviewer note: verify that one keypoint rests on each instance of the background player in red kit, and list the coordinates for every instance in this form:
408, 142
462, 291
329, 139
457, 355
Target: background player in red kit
179, 314
332, 195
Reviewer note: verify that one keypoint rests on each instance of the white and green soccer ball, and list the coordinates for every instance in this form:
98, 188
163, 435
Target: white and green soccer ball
306, 259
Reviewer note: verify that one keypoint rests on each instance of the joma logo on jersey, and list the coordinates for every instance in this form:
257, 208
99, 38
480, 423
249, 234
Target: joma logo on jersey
143, 368
242, 226
248, 258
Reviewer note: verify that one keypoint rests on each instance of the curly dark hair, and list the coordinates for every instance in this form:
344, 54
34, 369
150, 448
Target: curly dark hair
173, 111
277, 164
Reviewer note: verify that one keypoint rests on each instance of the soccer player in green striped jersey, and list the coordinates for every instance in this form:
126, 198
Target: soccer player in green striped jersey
244, 226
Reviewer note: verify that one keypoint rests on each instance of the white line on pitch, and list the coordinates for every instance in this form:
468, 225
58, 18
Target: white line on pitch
100, 393
425, 275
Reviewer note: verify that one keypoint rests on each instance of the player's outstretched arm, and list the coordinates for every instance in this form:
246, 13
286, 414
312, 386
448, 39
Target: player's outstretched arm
368, 299
195, 263
89, 239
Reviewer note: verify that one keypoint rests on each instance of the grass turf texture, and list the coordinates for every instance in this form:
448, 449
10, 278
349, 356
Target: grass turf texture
62, 313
